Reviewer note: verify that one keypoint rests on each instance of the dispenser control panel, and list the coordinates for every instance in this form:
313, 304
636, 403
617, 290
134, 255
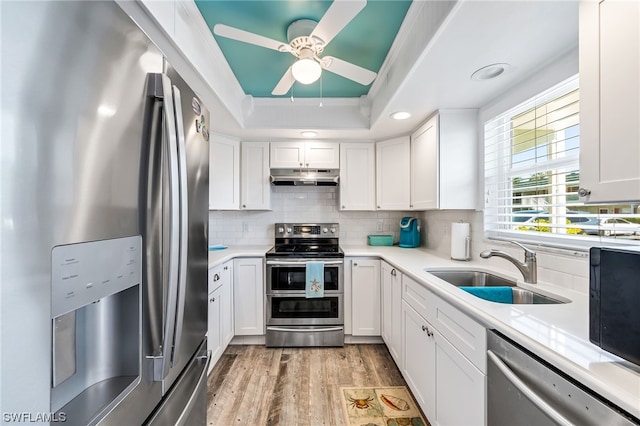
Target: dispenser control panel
84, 273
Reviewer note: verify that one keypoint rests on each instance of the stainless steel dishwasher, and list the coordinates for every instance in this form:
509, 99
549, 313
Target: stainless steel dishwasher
524, 390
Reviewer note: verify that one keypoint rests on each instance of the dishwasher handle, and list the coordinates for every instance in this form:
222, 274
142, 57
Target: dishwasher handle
529, 393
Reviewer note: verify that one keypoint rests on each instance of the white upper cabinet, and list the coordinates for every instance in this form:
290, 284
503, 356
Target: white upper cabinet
224, 173
424, 166
610, 100
393, 174
238, 175
255, 190
357, 176
308, 155
443, 161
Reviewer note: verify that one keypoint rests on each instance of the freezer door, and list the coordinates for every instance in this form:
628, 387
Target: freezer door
186, 402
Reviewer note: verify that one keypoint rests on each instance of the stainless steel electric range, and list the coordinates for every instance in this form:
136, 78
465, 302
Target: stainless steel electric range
292, 318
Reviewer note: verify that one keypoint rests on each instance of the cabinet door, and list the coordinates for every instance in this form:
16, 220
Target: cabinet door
224, 174
391, 326
287, 155
456, 379
248, 301
214, 320
419, 359
321, 155
365, 297
424, 166
226, 304
255, 191
610, 100
393, 174
357, 176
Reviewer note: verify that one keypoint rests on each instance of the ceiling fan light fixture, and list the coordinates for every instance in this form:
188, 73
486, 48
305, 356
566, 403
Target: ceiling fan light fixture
306, 71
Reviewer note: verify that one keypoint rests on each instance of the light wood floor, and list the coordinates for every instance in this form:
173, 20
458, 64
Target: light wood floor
255, 385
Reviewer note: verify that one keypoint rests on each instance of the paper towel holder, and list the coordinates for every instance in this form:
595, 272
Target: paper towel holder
467, 248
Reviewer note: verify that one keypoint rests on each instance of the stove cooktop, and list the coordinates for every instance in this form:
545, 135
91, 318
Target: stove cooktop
308, 251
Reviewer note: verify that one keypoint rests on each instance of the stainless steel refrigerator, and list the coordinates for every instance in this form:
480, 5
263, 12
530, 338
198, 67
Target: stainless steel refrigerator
104, 202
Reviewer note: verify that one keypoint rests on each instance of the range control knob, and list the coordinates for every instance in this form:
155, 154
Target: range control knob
280, 230
333, 230
289, 230
325, 230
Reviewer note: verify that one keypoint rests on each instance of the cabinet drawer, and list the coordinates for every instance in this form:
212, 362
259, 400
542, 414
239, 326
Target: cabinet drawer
465, 334
418, 297
215, 278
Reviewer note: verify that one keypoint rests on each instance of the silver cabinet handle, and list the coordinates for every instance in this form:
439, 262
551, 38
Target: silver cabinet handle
216, 277
213, 299
394, 272
426, 329
528, 392
355, 264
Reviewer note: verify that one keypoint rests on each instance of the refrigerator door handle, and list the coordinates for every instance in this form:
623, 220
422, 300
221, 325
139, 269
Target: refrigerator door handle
184, 225
163, 362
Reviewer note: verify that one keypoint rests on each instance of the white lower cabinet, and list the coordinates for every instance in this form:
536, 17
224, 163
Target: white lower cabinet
248, 301
391, 325
449, 382
220, 310
365, 299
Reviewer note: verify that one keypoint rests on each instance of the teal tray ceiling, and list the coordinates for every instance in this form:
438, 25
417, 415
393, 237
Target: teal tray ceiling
365, 41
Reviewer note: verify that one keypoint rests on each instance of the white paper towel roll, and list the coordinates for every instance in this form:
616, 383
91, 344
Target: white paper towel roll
460, 241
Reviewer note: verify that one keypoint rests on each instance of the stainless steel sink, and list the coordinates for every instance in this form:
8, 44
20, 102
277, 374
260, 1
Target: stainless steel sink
470, 278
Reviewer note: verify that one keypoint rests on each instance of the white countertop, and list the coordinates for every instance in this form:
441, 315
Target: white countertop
557, 333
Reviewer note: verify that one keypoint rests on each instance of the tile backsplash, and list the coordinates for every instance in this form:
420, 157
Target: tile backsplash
321, 204
301, 204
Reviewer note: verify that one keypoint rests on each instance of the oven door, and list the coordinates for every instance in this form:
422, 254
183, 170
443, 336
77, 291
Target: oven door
296, 309
290, 275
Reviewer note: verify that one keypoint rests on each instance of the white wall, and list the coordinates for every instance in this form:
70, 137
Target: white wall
300, 204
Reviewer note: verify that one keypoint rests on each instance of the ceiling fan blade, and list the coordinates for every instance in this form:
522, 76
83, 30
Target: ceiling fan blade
284, 84
339, 14
349, 70
251, 38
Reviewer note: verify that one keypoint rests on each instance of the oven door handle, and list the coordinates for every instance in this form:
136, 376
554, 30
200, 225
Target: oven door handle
305, 330
294, 263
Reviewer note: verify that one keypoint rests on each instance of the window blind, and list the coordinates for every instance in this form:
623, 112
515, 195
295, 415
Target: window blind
532, 175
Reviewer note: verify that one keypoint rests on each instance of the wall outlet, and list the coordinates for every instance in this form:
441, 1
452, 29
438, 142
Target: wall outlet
379, 226
245, 226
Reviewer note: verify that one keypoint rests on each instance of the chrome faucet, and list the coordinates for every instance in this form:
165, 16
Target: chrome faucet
529, 267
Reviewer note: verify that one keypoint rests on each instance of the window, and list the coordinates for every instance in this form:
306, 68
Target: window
532, 176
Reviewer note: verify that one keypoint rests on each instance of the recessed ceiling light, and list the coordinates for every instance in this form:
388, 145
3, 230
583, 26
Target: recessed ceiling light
400, 115
489, 72
309, 134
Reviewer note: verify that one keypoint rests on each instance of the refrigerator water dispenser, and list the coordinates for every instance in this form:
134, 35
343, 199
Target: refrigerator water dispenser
96, 325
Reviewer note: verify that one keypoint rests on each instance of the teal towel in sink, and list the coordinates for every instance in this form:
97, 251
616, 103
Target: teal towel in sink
492, 294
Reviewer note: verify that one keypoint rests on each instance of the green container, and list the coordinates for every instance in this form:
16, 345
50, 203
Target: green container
380, 240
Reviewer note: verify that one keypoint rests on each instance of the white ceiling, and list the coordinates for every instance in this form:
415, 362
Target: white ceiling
426, 70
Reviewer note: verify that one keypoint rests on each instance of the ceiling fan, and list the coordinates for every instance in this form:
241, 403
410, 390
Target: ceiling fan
306, 41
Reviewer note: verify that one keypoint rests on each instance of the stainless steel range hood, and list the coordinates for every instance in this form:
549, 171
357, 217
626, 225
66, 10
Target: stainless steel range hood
309, 177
